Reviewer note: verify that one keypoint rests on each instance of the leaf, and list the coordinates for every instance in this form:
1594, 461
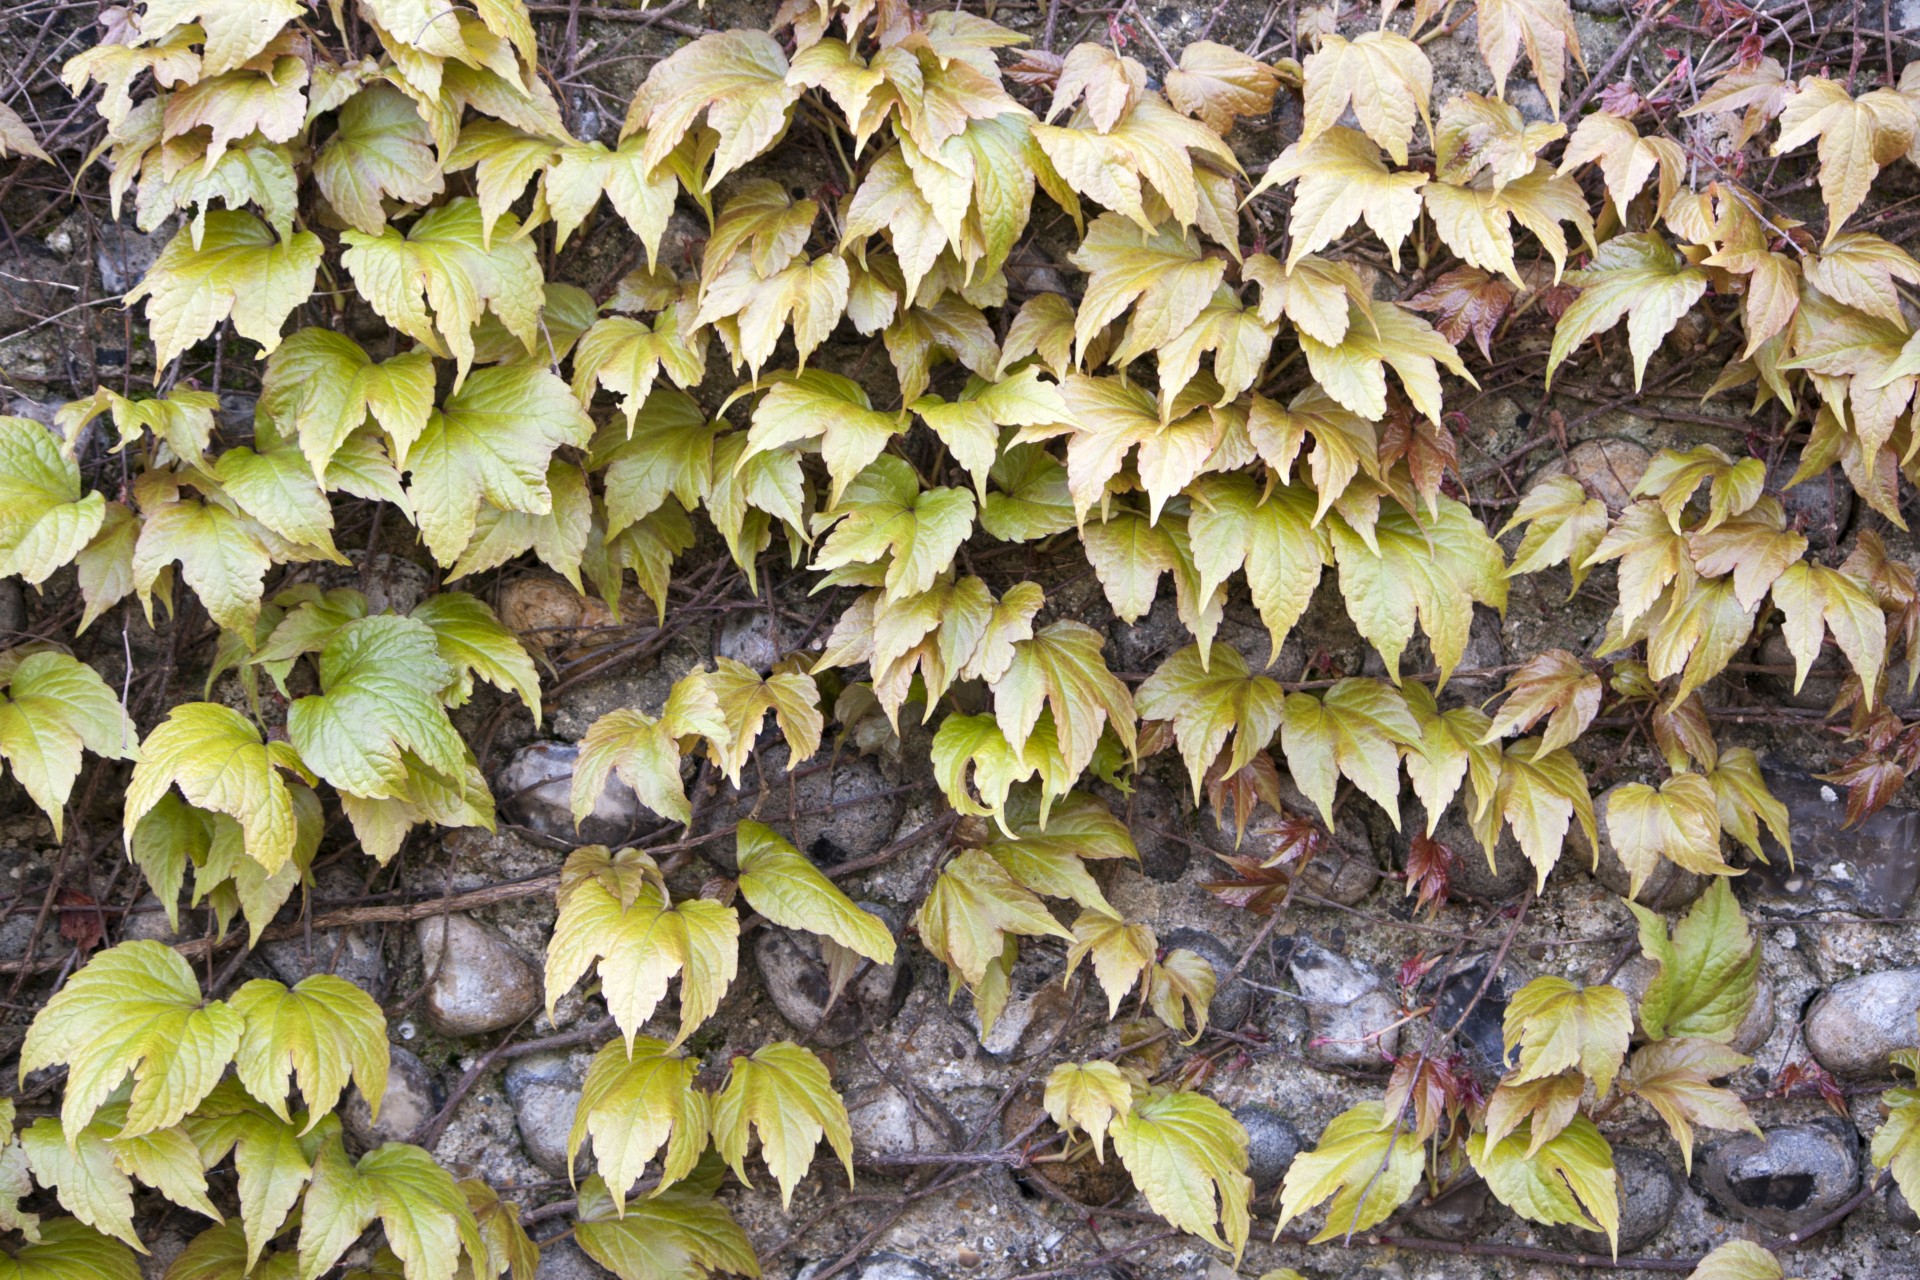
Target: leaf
1708, 969
745, 698
1680, 822
639, 193
17, 138
1466, 300
1061, 669
45, 522
1206, 705
1674, 1078
423, 1211
474, 642
624, 356
52, 708
1860, 270
783, 1092
378, 705
614, 910
238, 270
637, 1099
321, 386
1857, 136
1744, 801
380, 150
646, 752
510, 1251
1271, 536
1626, 159
222, 555
819, 404
1217, 82
1546, 1106
1121, 953
1558, 1025
1738, 1260
1162, 275
1341, 181
1180, 989
1449, 750
322, 1031
105, 566
1353, 730
684, 1232
1149, 140
1430, 568
490, 441
1555, 685
217, 759
1545, 26
1817, 600
1187, 1155
1088, 1096
1365, 1161
133, 1008
1385, 77
447, 262
974, 904
1569, 1180
68, 1250
885, 513
738, 78
1896, 1144
1637, 277
782, 885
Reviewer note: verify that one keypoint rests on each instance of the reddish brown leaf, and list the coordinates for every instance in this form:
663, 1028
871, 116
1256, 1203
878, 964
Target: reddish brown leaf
1035, 68
1429, 872
1466, 301
1871, 781
1254, 887
1242, 790
84, 929
1803, 1078
1427, 446
1432, 1086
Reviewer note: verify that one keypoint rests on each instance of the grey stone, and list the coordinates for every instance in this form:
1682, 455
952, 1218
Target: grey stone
353, 954
1821, 508
1899, 1212
877, 1266
1346, 1006
536, 791
1868, 869
147, 921
1232, 1001
746, 636
564, 1260
1272, 1143
1159, 827
1784, 1179
1668, 888
477, 982
163, 1246
1649, 1193
544, 1089
797, 979
844, 808
1481, 1033
1856, 1025
1454, 1215
410, 1101
123, 254
1145, 643
1472, 877
887, 1122
1608, 467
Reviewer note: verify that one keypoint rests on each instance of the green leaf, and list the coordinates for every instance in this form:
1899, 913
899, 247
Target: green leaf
1738, 1260
1709, 969
1896, 1144
216, 758
1540, 794
277, 489
783, 1092
738, 78
1568, 1181
1366, 1161
615, 911
93, 1171
1045, 848
473, 641
973, 906
379, 703
273, 1160
491, 441
320, 387
380, 150
635, 1101
834, 410
745, 698
239, 271
1087, 1096
1062, 670
321, 1032
681, 1234
52, 708
133, 1008
1031, 500
1354, 730
1636, 277
1187, 1155
1680, 823
645, 752
884, 513
1205, 705
44, 520
68, 1250
667, 448
1433, 568
222, 555
1674, 1077
447, 262
1558, 1025
782, 885
1121, 953
425, 1214
1817, 600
